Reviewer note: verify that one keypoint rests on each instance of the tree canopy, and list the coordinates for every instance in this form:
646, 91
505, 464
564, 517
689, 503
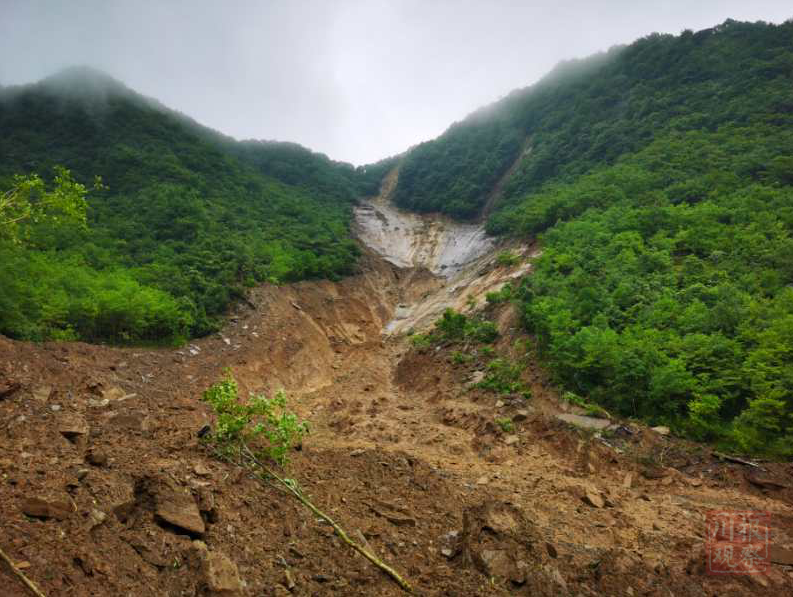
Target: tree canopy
659, 179
185, 221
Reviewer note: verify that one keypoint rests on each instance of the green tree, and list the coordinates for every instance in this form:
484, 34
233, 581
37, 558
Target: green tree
31, 201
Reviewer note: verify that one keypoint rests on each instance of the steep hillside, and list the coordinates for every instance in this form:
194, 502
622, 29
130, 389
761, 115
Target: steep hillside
295, 165
187, 218
463, 484
658, 178
589, 112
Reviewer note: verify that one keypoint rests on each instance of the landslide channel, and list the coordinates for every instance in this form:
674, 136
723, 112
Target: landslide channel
106, 489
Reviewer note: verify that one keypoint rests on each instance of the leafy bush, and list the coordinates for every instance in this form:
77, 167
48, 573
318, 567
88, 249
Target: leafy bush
506, 424
507, 259
487, 351
422, 340
504, 294
502, 376
457, 327
459, 357
667, 306
258, 419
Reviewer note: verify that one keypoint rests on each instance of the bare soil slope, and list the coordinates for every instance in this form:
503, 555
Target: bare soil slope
105, 488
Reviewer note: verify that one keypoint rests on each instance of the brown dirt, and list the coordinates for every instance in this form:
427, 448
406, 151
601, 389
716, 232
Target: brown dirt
401, 449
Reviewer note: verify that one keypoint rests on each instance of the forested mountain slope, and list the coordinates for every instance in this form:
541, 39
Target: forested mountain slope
186, 219
589, 112
659, 179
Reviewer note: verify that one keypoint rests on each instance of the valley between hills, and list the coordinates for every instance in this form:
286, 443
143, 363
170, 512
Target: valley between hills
548, 352
108, 490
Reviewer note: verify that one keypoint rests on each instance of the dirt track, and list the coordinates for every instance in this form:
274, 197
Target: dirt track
402, 450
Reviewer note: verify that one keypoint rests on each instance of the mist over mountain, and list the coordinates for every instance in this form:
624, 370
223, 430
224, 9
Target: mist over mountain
657, 177
591, 111
188, 217
533, 352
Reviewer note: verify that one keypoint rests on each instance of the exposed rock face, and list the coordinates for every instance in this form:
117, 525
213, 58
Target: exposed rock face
408, 239
452, 261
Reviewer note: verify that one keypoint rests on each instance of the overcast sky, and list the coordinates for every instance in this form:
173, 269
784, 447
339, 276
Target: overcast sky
356, 79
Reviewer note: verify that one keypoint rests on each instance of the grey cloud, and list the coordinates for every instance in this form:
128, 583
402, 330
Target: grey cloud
356, 79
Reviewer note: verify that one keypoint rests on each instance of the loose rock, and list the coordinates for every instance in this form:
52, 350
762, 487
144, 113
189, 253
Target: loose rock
288, 580
219, 574
8, 388
42, 393
521, 415
72, 428
592, 498
583, 421
179, 509
477, 376
201, 470
46, 508
96, 457
96, 517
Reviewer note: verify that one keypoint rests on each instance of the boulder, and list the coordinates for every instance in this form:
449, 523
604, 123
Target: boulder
592, 498
521, 415
499, 541
489, 531
73, 428
584, 422
96, 457
178, 508
41, 393
219, 575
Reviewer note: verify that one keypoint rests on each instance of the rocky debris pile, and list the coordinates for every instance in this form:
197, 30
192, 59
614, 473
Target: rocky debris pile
499, 541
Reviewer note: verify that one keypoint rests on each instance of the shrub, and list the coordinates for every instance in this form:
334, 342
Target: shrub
247, 424
507, 259
458, 357
504, 294
503, 377
506, 424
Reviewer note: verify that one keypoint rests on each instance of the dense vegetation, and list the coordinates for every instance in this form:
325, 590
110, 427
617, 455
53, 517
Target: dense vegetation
665, 293
295, 165
181, 226
659, 177
589, 112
